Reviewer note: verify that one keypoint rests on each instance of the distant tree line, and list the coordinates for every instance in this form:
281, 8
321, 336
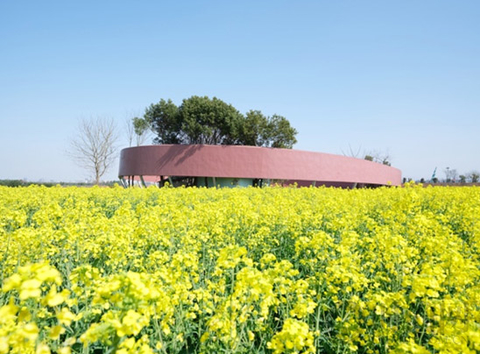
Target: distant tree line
204, 120
23, 183
472, 177
452, 176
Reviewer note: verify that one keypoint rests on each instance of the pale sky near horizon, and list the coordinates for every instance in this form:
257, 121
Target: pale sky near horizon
401, 77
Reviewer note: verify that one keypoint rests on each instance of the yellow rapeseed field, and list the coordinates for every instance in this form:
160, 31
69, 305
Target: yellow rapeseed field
274, 270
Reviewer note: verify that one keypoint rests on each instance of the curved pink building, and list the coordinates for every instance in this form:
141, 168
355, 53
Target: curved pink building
227, 165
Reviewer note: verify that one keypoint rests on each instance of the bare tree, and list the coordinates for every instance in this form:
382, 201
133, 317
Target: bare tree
377, 156
353, 152
94, 146
129, 130
450, 174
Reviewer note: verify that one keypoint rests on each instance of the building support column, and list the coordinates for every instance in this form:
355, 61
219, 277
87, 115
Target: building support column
143, 181
122, 181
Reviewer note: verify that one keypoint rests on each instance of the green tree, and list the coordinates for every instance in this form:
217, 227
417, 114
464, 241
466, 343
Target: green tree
280, 134
474, 176
201, 120
141, 128
164, 119
274, 131
254, 129
209, 121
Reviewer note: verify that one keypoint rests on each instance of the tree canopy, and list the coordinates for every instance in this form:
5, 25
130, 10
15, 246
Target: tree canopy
202, 120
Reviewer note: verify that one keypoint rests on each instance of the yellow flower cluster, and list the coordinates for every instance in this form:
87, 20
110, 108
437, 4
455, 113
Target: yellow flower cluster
273, 270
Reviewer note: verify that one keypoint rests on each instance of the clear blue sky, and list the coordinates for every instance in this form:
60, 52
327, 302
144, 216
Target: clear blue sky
401, 77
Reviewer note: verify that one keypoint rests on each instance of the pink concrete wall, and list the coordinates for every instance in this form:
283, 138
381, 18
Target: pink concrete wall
251, 162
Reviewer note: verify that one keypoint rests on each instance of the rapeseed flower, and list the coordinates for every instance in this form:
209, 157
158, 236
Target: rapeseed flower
240, 270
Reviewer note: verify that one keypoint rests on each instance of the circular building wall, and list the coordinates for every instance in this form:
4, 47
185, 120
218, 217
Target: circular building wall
250, 163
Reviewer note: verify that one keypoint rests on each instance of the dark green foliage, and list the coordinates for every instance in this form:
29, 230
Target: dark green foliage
165, 122
201, 120
140, 126
280, 133
209, 121
12, 182
259, 130
254, 129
